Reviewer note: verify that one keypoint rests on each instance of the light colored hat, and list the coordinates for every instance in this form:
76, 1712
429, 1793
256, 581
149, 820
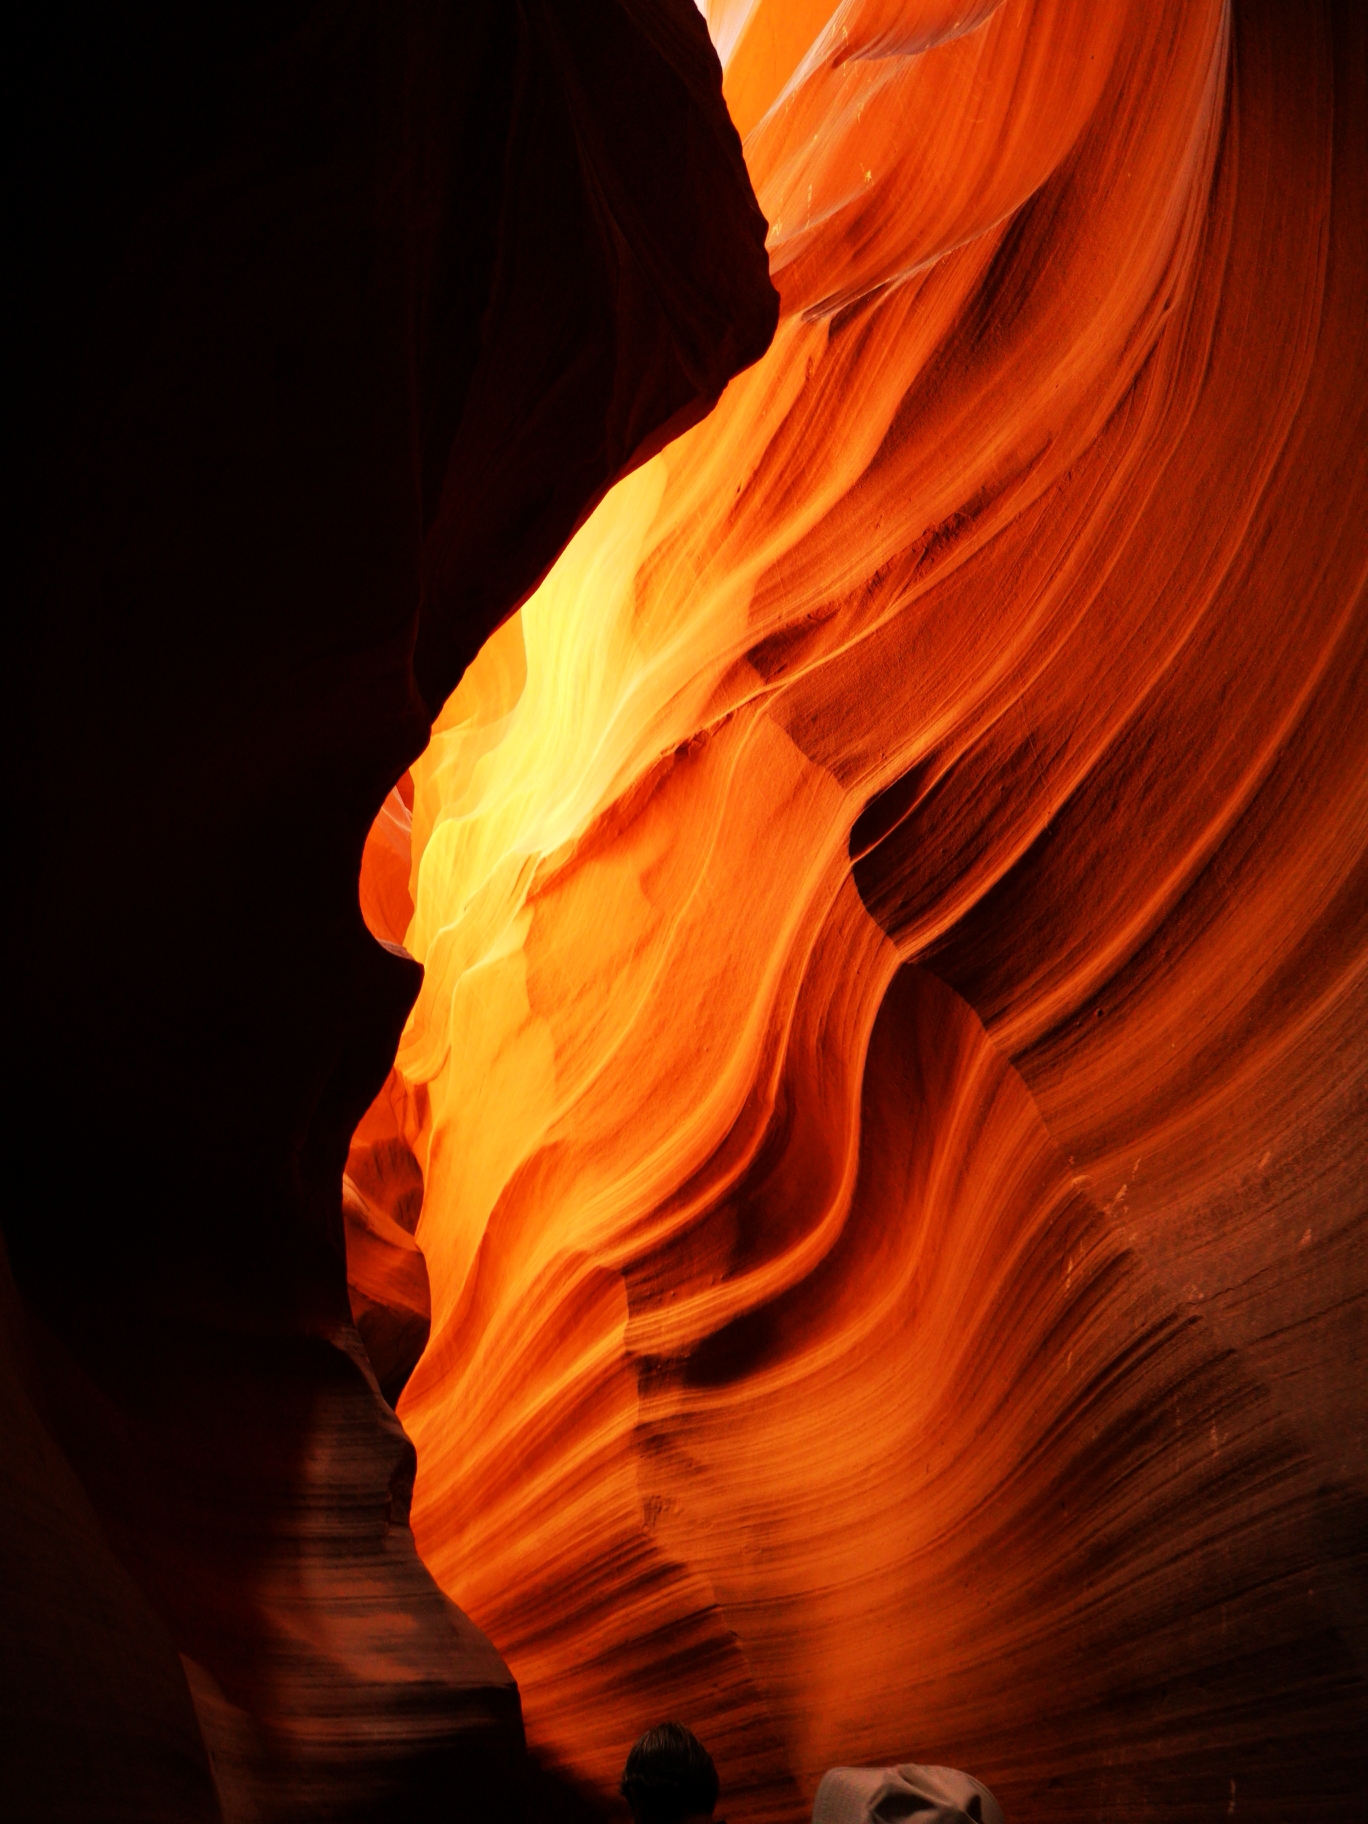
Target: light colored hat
887, 1795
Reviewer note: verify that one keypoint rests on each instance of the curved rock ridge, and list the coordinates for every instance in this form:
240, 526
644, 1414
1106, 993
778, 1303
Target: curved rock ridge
333, 322
889, 1077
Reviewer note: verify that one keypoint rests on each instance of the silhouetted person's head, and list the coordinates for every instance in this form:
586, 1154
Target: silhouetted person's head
669, 1777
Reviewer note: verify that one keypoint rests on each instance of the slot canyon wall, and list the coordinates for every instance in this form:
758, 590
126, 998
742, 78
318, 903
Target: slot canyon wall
332, 321
884, 1118
865, 1227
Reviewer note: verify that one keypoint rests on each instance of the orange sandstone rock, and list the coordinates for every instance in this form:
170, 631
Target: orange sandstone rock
888, 1078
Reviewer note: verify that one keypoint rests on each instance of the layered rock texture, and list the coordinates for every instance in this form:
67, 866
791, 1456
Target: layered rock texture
888, 1081
333, 321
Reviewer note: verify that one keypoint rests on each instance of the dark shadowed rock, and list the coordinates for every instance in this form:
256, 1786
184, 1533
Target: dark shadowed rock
332, 323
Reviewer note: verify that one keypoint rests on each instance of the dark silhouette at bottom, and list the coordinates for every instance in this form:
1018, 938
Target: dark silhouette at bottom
670, 1778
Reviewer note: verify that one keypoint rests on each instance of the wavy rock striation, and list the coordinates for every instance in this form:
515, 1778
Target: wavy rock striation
888, 1079
335, 320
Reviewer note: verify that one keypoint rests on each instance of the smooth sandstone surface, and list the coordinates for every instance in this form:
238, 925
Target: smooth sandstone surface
889, 1078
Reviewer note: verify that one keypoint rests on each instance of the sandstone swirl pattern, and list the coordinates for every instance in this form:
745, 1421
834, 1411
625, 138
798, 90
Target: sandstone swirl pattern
889, 1078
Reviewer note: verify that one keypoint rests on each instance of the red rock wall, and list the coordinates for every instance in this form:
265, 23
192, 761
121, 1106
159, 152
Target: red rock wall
888, 1079
332, 322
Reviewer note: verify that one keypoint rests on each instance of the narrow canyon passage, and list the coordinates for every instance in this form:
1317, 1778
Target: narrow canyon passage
811, 560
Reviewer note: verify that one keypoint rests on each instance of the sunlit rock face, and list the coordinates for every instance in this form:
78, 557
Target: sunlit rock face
888, 1080
330, 324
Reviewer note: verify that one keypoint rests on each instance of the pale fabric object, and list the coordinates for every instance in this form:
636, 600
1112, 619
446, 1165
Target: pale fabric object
878, 1795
